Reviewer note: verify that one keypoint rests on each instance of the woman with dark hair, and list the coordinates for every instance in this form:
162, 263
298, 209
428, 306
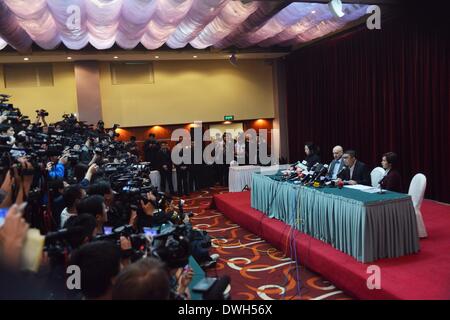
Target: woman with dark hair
312, 154
391, 180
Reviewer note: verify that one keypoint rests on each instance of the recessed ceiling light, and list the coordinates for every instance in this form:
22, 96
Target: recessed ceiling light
156, 57
116, 57
314, 11
26, 59
69, 58
194, 57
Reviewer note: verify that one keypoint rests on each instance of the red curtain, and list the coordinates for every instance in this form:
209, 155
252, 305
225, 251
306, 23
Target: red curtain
376, 91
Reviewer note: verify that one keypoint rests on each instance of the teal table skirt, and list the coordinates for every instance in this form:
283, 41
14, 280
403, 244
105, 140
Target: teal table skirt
364, 225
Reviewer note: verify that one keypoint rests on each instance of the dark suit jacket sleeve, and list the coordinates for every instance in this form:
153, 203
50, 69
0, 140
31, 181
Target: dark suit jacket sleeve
363, 176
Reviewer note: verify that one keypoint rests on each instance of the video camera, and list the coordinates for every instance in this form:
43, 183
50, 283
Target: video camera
140, 243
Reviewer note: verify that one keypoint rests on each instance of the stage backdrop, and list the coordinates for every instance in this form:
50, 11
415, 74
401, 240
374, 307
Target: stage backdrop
376, 91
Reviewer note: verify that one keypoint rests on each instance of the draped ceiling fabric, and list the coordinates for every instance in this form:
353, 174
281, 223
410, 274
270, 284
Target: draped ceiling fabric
153, 23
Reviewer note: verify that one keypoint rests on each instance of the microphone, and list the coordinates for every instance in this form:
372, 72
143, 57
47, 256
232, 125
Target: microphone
322, 171
217, 291
344, 167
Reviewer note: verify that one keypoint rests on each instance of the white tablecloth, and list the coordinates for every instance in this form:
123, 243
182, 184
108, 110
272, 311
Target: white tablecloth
155, 178
241, 176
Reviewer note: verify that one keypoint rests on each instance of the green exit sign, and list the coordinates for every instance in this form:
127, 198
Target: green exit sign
228, 118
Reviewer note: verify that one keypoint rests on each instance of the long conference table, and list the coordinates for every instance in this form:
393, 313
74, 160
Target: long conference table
367, 226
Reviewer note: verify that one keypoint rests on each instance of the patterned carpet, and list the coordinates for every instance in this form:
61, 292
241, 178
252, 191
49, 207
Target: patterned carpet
257, 270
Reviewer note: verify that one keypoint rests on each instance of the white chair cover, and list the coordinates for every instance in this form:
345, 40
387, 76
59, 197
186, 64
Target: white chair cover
376, 175
417, 192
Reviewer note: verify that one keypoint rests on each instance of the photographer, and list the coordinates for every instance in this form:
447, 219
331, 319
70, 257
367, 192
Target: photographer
114, 211
72, 197
86, 224
95, 206
86, 151
56, 165
151, 215
40, 115
48, 170
7, 134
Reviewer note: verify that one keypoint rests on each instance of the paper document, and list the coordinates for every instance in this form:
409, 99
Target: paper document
359, 187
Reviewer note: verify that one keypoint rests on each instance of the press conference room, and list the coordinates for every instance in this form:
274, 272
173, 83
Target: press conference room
224, 150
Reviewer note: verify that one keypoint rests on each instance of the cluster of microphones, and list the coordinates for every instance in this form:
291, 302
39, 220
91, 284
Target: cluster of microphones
316, 175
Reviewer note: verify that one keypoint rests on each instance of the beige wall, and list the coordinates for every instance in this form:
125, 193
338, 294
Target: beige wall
183, 91
186, 91
57, 99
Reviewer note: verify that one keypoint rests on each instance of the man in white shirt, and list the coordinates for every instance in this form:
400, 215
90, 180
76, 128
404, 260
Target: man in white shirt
337, 164
72, 196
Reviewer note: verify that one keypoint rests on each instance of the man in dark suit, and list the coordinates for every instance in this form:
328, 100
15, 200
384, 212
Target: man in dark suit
165, 167
356, 172
184, 152
337, 164
151, 148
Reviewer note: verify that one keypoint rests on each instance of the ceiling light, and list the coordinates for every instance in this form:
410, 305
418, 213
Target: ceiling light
233, 59
314, 11
69, 58
116, 57
156, 57
194, 57
336, 7
26, 59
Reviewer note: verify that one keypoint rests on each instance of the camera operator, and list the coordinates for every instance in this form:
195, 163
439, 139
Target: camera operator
84, 222
72, 197
40, 115
151, 215
87, 151
100, 129
115, 214
88, 177
56, 165
95, 206
7, 134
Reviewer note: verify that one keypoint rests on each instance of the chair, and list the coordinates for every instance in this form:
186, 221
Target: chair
376, 175
417, 192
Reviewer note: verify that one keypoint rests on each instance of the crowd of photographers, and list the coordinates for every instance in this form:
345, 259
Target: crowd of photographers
74, 199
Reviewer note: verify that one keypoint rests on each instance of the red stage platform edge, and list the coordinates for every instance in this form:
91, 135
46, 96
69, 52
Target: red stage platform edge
425, 275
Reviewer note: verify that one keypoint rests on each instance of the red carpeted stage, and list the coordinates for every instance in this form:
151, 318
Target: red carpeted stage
425, 275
